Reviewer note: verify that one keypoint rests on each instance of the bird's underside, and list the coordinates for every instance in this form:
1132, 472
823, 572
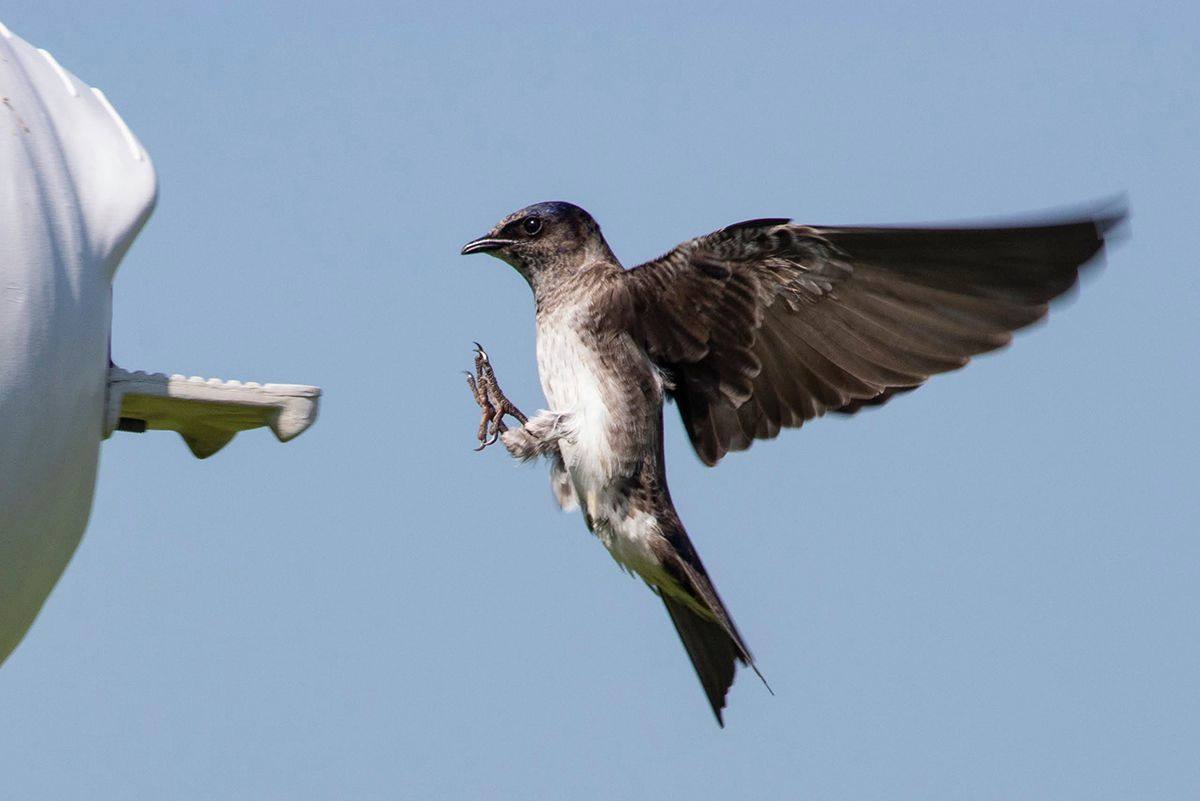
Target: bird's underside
757, 327
632, 514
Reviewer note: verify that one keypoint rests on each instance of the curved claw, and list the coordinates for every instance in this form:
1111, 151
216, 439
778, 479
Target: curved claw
490, 399
495, 437
491, 440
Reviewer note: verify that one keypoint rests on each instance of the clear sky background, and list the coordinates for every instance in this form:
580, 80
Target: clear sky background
989, 589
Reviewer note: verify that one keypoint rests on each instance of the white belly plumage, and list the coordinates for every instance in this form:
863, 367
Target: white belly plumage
573, 380
571, 376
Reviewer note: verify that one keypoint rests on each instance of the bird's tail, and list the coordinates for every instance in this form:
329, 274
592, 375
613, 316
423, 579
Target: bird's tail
705, 627
712, 651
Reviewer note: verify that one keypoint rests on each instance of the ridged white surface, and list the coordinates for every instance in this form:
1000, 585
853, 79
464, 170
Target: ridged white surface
207, 412
75, 188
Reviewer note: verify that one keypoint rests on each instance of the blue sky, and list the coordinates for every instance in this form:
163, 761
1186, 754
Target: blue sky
986, 590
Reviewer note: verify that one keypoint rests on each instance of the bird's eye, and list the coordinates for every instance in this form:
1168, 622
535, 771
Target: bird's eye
531, 226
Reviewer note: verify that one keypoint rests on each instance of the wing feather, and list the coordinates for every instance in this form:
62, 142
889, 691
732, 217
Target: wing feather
765, 324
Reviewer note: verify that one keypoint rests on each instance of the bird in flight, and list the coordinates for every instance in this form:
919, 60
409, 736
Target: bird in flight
757, 327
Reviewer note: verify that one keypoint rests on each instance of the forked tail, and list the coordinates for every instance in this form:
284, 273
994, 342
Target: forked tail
711, 640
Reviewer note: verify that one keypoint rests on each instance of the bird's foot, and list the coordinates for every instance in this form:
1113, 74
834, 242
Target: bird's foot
491, 400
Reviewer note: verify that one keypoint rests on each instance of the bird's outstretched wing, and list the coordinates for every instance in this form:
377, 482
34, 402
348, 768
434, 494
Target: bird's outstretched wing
765, 324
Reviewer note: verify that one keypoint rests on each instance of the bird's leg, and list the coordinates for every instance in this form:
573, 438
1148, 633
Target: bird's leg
492, 401
538, 436
485, 407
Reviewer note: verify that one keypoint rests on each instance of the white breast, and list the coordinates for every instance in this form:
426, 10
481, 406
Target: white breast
576, 382
572, 379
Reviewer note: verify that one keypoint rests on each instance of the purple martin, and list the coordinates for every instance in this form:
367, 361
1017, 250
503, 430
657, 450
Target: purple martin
760, 326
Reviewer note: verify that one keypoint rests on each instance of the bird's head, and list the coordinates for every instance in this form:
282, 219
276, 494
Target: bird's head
544, 238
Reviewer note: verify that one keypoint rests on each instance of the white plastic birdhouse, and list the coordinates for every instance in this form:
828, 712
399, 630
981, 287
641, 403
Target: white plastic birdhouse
76, 187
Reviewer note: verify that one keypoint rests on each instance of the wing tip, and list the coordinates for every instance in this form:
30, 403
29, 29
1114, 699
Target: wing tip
1111, 218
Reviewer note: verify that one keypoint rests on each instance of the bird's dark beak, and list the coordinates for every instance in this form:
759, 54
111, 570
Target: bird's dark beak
485, 244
